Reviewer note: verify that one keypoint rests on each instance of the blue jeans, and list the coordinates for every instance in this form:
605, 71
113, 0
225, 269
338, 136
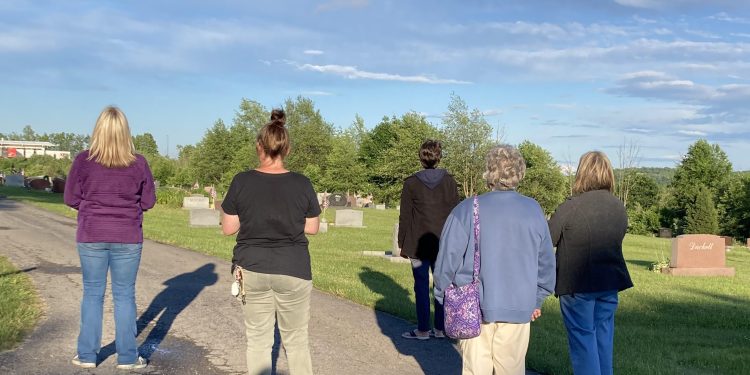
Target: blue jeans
590, 321
122, 261
421, 268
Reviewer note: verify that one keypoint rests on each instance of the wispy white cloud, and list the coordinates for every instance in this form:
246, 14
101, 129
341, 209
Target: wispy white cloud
657, 4
639, 130
562, 106
352, 72
27, 40
492, 112
661, 86
729, 98
316, 93
341, 4
692, 133
312, 52
723, 16
702, 34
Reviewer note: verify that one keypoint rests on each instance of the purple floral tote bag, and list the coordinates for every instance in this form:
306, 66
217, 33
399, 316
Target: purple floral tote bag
463, 317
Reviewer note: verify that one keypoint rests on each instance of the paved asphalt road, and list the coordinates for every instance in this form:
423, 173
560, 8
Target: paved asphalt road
188, 322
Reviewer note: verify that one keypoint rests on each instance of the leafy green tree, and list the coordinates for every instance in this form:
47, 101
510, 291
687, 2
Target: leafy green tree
311, 136
42, 165
704, 165
251, 115
357, 131
642, 221
213, 154
643, 190
184, 174
28, 134
468, 137
145, 144
402, 159
376, 142
74, 143
544, 180
162, 168
344, 171
736, 222
702, 216
390, 153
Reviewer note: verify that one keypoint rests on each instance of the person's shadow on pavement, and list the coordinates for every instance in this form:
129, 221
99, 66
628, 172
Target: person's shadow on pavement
435, 356
181, 290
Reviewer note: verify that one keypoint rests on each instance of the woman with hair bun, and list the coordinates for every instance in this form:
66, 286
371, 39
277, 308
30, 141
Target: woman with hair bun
271, 209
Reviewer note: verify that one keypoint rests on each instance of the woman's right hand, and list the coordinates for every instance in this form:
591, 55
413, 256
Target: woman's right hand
536, 314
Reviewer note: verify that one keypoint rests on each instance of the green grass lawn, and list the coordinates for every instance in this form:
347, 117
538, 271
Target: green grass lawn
665, 325
19, 306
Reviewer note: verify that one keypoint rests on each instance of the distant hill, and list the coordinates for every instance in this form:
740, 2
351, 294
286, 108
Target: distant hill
662, 176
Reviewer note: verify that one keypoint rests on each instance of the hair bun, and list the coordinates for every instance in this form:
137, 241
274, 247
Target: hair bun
278, 117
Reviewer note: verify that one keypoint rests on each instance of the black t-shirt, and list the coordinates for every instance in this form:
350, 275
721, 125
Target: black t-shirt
272, 210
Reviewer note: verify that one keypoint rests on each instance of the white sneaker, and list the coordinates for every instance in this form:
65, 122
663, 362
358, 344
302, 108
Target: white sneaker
78, 363
139, 363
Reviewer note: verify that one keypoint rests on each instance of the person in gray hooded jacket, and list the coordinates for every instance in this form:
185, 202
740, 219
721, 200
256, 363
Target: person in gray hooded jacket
427, 199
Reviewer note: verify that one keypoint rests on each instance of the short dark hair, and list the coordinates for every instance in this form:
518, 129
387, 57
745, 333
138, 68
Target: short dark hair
430, 153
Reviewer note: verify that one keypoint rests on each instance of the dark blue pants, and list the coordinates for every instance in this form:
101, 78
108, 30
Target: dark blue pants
590, 321
421, 268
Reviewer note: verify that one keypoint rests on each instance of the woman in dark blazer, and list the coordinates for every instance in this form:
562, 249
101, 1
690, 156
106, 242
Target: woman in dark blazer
428, 197
588, 230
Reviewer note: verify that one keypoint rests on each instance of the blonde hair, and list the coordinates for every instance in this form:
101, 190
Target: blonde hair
505, 168
111, 143
594, 173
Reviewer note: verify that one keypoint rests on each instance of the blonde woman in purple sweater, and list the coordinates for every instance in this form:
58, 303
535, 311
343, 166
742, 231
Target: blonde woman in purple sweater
110, 186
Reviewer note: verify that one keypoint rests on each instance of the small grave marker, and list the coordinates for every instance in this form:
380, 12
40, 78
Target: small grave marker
204, 217
396, 251
337, 200
195, 202
14, 180
349, 218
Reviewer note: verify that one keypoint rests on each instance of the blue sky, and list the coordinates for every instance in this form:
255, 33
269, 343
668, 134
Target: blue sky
570, 76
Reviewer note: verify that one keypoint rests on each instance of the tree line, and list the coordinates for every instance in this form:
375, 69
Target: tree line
701, 195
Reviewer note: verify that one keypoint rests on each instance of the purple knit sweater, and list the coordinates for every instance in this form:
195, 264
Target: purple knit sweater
110, 201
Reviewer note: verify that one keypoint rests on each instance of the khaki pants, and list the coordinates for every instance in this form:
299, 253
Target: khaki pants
500, 347
283, 298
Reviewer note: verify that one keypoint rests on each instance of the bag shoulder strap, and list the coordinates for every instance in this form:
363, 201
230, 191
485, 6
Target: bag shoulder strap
475, 277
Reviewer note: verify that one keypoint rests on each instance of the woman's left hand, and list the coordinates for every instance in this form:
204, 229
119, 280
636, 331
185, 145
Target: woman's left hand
536, 314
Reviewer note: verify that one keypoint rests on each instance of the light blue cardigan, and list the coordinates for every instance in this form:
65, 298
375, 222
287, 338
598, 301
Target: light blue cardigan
517, 266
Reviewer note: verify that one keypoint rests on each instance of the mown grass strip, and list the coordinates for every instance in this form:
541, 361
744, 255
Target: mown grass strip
19, 305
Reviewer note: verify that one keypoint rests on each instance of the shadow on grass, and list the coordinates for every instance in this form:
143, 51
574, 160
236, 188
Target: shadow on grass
181, 290
434, 356
641, 263
17, 272
699, 331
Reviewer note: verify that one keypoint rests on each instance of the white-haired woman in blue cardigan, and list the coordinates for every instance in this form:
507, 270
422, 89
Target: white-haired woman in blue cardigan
517, 265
